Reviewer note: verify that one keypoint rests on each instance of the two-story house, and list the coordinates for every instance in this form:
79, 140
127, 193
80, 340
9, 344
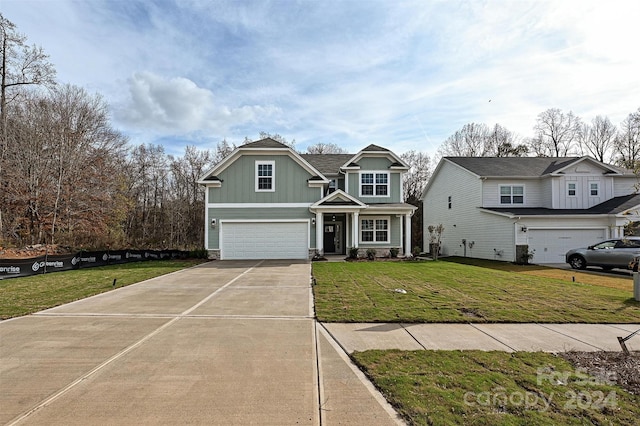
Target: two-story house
490, 206
267, 201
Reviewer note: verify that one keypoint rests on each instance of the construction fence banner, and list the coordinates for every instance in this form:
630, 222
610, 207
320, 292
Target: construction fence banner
12, 268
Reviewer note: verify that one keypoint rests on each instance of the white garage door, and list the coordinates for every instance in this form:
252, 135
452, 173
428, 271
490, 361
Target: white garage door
550, 245
264, 240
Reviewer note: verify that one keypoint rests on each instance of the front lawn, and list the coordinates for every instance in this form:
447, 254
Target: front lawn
22, 296
446, 291
496, 388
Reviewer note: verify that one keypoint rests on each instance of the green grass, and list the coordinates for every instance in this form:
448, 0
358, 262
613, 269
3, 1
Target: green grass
454, 292
22, 296
496, 388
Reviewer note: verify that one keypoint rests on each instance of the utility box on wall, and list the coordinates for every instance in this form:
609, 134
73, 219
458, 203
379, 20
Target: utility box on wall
522, 254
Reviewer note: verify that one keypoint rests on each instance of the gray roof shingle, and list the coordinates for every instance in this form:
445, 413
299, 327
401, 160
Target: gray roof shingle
517, 166
264, 143
613, 206
327, 164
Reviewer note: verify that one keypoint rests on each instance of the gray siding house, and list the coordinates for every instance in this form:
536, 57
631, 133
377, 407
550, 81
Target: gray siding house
489, 206
266, 201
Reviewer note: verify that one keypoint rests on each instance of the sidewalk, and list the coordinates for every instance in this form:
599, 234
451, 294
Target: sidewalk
486, 337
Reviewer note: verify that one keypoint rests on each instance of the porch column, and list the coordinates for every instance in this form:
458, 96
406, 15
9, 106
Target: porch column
319, 233
407, 234
354, 229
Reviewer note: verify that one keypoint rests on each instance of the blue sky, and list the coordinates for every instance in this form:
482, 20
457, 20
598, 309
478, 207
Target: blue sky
404, 75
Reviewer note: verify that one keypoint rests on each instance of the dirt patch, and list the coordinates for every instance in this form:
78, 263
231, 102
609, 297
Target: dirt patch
624, 369
33, 251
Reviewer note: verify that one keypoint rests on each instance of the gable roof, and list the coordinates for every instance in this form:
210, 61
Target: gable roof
319, 165
378, 151
375, 148
525, 166
265, 146
512, 166
265, 143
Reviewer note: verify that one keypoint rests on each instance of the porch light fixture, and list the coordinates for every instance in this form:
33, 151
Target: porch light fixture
213, 223
524, 228
313, 220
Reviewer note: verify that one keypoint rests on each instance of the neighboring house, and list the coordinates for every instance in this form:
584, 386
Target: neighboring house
266, 201
490, 206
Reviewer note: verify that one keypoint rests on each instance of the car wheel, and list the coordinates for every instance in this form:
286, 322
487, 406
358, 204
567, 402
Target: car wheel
577, 262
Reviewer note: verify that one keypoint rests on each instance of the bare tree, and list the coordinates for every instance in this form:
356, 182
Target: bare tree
186, 205
20, 66
556, 133
502, 142
627, 142
478, 140
326, 148
413, 184
62, 175
470, 141
597, 138
223, 149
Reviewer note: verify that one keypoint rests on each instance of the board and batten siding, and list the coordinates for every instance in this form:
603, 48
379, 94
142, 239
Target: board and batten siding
257, 214
582, 199
465, 220
239, 182
395, 187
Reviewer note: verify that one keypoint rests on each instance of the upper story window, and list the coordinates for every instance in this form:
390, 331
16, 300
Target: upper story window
571, 189
265, 176
374, 184
333, 185
594, 189
511, 194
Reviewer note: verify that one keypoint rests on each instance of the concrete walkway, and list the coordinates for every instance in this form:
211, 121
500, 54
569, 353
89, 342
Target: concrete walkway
487, 337
224, 343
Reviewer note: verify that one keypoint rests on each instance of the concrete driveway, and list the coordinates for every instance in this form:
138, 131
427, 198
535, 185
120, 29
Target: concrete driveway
222, 343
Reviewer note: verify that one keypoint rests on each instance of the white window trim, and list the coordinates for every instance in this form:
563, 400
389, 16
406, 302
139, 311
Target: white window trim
575, 189
374, 218
273, 175
374, 173
597, 184
524, 195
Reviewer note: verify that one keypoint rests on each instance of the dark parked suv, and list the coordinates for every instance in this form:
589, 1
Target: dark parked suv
608, 254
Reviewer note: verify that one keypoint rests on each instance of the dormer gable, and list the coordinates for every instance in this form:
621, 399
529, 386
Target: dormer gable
375, 151
585, 166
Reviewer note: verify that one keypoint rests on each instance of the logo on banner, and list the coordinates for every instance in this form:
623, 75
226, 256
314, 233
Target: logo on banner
36, 266
105, 257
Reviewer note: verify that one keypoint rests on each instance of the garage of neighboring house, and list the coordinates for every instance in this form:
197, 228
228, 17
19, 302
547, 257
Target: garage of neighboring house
551, 244
264, 240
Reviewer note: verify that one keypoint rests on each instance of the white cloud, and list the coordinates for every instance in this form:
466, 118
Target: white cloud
405, 74
178, 106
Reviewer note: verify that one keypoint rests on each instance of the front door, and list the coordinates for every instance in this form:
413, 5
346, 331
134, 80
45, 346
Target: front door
330, 238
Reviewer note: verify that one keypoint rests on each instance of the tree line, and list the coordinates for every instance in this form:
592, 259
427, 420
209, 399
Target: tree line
556, 134
68, 177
